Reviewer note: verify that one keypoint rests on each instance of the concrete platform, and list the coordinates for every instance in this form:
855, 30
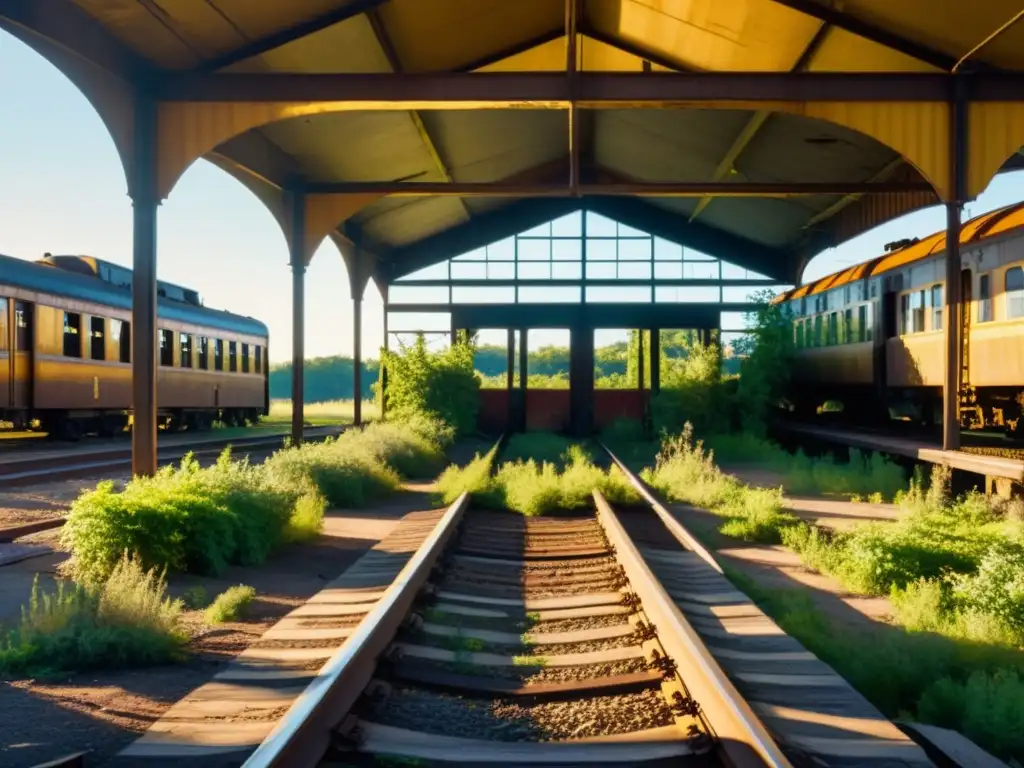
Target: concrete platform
989, 466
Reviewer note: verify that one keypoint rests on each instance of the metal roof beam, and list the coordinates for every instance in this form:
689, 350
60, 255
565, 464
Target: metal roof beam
613, 189
870, 32
541, 90
388, 47
759, 118
66, 25
290, 34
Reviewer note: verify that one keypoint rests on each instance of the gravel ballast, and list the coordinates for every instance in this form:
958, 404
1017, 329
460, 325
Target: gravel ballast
506, 720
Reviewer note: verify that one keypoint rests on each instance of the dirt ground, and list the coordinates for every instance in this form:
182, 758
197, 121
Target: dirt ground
104, 711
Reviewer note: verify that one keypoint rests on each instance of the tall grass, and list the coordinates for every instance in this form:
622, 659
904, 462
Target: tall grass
685, 471
959, 683
533, 487
320, 414
126, 620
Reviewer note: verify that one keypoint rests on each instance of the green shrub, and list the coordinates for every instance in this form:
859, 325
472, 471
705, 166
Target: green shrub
127, 620
624, 432
440, 385
195, 598
230, 605
341, 474
865, 473
189, 519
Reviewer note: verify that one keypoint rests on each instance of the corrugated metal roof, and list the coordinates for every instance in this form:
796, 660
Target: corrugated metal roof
618, 35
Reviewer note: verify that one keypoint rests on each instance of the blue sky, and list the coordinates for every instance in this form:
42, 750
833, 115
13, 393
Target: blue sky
62, 190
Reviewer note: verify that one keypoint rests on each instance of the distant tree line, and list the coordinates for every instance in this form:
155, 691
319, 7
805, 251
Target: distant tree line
330, 378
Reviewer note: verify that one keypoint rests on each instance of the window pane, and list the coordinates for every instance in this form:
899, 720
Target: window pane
22, 326
984, 299
72, 334
635, 250
203, 347
600, 226
936, 307
567, 250
601, 250
570, 225
232, 356
97, 339
218, 355
534, 271
185, 350
259, 359
1015, 292
245, 358
534, 250
166, 348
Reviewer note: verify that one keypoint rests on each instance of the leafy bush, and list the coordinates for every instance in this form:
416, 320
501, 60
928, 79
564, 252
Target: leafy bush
768, 352
474, 478
126, 620
441, 385
189, 519
230, 605
692, 391
865, 473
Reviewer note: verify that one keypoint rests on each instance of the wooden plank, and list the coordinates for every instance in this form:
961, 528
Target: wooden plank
537, 603
639, 746
534, 638
190, 740
412, 672
958, 748
524, 661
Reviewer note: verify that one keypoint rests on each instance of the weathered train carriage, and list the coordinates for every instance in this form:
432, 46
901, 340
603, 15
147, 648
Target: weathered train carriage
65, 351
871, 336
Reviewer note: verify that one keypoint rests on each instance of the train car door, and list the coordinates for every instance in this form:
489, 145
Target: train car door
23, 334
888, 327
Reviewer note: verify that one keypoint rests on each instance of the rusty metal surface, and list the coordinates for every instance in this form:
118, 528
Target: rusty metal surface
303, 735
742, 736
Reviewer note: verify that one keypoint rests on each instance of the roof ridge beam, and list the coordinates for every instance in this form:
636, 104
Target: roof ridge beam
869, 31
596, 90
290, 34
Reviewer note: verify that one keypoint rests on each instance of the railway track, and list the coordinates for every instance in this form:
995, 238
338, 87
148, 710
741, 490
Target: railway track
606, 637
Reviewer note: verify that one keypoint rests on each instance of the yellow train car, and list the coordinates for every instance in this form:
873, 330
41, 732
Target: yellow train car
872, 336
65, 351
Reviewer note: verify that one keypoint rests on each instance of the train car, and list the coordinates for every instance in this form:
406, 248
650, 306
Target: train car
871, 336
66, 351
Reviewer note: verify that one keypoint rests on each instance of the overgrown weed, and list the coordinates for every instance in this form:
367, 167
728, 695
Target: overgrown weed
127, 620
230, 605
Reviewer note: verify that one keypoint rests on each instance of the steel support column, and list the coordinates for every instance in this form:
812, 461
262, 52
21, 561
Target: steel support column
510, 359
357, 361
581, 379
298, 263
383, 372
953, 328
655, 360
523, 377
640, 359
145, 202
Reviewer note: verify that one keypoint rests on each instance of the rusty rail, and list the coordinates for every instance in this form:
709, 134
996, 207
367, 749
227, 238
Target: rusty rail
741, 735
303, 735
674, 527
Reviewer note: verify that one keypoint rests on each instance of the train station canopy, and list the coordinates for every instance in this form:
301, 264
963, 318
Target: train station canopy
758, 131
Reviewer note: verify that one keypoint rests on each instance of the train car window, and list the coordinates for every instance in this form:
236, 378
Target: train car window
232, 356
3, 323
185, 345
97, 339
817, 331
863, 330
846, 295
121, 334
904, 314
166, 348
1015, 292
848, 327
218, 354
72, 334
259, 358
798, 330
833, 329
936, 307
22, 326
245, 358
917, 314
985, 298
204, 352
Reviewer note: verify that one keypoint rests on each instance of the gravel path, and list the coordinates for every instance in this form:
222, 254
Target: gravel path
504, 720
